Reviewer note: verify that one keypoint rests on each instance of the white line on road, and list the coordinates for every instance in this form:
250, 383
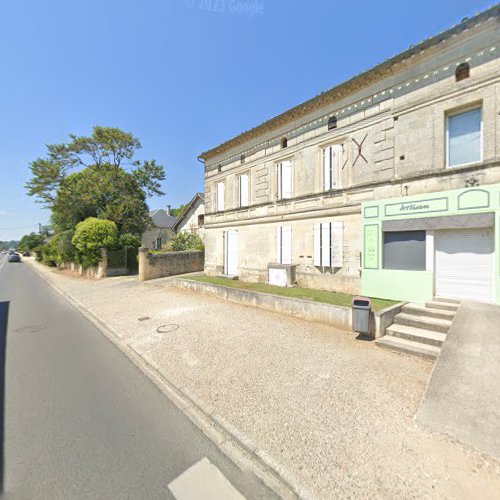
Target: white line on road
3, 263
203, 481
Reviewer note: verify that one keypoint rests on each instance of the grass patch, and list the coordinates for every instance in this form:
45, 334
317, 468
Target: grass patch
334, 298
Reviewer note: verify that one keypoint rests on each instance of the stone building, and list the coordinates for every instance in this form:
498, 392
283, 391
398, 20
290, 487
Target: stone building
192, 220
161, 230
357, 186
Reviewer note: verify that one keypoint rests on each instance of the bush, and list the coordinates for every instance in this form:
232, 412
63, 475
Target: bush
129, 240
184, 242
90, 236
46, 254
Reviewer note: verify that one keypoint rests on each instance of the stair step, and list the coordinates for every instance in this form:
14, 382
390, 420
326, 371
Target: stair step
429, 312
433, 324
417, 335
408, 347
437, 304
444, 299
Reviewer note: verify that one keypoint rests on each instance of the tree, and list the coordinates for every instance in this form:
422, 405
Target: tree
90, 236
30, 241
177, 212
108, 183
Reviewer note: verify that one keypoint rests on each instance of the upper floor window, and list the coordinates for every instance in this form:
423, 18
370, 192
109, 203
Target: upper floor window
284, 180
332, 122
462, 72
284, 143
201, 220
219, 196
331, 167
243, 190
464, 137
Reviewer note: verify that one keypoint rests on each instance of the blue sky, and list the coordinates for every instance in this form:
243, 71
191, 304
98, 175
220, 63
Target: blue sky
181, 75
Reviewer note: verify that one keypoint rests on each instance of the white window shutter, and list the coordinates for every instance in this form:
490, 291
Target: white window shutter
338, 244
278, 245
317, 245
286, 244
243, 190
220, 196
286, 179
327, 173
326, 254
336, 165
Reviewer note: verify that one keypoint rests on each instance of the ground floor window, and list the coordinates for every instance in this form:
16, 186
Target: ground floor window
404, 250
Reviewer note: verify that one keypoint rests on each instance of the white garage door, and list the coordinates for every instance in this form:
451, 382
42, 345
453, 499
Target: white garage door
465, 264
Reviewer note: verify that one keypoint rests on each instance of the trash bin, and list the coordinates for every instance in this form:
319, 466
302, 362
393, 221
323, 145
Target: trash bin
361, 307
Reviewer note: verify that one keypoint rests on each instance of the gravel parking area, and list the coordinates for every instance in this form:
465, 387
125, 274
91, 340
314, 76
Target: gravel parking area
335, 414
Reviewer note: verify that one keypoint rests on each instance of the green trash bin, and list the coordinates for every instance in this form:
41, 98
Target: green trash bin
361, 308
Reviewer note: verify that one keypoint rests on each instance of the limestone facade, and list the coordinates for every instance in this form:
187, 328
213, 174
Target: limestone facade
390, 140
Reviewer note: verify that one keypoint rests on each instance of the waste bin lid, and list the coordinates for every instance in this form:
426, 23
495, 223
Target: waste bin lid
361, 302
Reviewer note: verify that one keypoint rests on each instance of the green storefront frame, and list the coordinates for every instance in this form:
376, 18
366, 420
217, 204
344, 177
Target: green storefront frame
418, 286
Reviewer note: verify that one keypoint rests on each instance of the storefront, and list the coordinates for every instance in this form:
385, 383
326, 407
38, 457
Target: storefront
442, 244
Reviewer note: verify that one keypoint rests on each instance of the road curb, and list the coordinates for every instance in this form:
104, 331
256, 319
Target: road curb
232, 443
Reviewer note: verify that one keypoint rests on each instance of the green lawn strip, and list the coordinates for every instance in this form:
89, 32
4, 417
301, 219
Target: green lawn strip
334, 298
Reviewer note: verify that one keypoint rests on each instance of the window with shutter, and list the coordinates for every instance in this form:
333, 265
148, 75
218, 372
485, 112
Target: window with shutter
284, 244
331, 167
243, 190
285, 180
220, 197
329, 244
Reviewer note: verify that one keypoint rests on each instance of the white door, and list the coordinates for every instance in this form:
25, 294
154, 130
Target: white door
231, 254
465, 264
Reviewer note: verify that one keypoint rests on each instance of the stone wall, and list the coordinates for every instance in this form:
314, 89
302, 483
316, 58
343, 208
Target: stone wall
94, 272
159, 265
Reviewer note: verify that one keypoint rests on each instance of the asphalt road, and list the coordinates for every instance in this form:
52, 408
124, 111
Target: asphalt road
81, 421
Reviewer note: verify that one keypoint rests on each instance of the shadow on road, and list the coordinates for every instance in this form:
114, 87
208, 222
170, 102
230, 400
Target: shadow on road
4, 315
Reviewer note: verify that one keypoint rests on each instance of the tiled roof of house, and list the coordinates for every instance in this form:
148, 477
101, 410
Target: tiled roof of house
161, 219
348, 87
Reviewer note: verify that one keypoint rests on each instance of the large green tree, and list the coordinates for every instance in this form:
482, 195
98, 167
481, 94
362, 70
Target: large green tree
96, 176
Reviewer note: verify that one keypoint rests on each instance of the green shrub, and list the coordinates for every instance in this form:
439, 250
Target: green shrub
129, 240
90, 236
184, 242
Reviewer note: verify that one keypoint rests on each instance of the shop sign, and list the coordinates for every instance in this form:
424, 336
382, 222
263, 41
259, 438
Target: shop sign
371, 235
416, 207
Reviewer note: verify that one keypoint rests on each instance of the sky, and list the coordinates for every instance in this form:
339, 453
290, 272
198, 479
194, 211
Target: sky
182, 75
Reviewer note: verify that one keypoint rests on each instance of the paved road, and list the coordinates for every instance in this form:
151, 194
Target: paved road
81, 421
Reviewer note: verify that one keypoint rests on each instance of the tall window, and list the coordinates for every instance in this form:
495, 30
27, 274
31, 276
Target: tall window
329, 244
331, 167
464, 138
220, 193
243, 190
284, 244
284, 180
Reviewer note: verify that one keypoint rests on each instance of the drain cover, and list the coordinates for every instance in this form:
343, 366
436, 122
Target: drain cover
31, 329
167, 328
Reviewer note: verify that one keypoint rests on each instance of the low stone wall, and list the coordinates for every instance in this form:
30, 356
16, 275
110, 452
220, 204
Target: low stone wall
160, 265
337, 316
94, 272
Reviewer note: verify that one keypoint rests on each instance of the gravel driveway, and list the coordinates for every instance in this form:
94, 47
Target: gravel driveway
335, 414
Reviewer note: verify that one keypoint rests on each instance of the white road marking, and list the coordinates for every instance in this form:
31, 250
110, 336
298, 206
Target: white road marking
3, 263
203, 481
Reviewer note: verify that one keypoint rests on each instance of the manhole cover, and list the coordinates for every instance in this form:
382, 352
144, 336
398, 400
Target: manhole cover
167, 328
31, 329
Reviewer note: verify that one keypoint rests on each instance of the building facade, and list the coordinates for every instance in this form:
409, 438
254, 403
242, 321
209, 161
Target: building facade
192, 220
303, 188
161, 230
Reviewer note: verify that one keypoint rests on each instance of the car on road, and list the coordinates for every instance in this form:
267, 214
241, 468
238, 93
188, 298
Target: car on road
3, 252
14, 257
26, 254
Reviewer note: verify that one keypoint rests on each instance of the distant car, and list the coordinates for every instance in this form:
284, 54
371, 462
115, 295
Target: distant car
26, 254
3, 252
14, 257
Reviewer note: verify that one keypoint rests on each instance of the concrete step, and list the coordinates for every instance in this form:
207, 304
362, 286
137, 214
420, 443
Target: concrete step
417, 335
408, 347
449, 301
437, 304
419, 310
433, 324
